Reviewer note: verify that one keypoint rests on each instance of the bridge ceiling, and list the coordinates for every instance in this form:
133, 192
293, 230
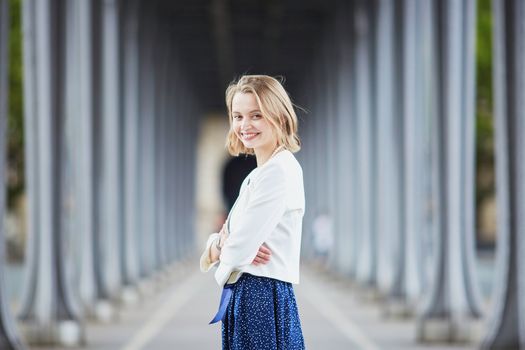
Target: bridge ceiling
219, 39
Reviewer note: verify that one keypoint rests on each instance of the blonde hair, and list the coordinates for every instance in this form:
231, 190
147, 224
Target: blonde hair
276, 107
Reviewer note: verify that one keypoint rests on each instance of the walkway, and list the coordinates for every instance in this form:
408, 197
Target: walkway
336, 317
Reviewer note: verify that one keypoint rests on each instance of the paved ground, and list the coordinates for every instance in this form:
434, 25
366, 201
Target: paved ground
335, 315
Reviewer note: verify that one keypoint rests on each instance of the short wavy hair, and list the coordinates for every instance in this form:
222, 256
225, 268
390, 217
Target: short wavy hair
275, 105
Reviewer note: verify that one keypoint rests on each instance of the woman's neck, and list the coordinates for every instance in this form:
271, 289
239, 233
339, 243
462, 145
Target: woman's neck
264, 155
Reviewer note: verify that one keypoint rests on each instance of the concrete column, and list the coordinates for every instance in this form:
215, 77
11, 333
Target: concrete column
193, 119
146, 139
179, 180
30, 144
374, 175
103, 309
139, 218
9, 339
111, 155
452, 306
131, 107
48, 311
355, 224
185, 166
406, 286
171, 160
159, 154
189, 151
305, 157
75, 175
388, 178
177, 163
317, 174
170, 164
112, 135
86, 188
144, 142
153, 119
171, 116
366, 269
160, 130
425, 107
506, 328
328, 181
319, 199
344, 249
158, 52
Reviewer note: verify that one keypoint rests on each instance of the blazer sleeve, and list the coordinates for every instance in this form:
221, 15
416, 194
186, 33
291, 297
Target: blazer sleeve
264, 210
205, 263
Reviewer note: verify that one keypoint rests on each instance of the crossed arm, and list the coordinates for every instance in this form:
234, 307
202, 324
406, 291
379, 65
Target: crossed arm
262, 257
260, 216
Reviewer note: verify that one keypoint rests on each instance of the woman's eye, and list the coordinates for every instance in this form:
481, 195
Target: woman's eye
256, 116
236, 117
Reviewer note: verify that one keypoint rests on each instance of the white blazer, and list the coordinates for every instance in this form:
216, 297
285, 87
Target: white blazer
269, 209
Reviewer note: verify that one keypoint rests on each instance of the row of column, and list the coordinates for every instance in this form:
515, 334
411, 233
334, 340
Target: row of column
109, 117
388, 152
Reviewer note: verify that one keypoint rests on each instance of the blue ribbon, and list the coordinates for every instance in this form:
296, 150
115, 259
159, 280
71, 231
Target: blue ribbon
225, 299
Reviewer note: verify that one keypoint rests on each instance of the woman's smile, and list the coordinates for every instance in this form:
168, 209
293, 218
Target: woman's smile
248, 136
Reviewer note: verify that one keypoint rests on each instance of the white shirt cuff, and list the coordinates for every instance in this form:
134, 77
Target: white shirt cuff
223, 273
205, 263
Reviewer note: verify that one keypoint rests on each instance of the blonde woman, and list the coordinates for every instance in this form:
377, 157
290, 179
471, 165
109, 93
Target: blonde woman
258, 249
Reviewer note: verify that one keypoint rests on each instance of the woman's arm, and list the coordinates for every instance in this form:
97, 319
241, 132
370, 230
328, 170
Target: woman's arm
215, 252
205, 262
212, 254
263, 254
259, 219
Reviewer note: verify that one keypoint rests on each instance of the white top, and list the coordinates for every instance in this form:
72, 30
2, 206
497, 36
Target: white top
270, 210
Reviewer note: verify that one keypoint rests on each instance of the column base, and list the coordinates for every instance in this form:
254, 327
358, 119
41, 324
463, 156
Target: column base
454, 329
105, 311
146, 288
173, 268
129, 296
398, 308
67, 333
162, 278
368, 294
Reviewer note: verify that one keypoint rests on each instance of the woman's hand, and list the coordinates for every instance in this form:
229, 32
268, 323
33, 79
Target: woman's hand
263, 256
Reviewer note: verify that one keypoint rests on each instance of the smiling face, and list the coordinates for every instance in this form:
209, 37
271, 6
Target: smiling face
249, 125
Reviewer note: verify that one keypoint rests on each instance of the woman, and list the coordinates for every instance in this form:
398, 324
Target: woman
258, 249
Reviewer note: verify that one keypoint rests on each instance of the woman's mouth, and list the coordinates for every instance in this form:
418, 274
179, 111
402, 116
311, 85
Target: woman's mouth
247, 136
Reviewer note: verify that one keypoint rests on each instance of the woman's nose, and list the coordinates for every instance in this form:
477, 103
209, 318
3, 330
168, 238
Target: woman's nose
244, 123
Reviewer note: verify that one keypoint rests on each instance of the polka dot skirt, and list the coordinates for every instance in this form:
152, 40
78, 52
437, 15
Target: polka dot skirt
262, 314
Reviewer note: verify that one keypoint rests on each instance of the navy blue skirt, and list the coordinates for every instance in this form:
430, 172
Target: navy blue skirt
262, 314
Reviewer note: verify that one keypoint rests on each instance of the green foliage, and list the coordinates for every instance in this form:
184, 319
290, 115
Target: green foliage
15, 136
485, 187
484, 55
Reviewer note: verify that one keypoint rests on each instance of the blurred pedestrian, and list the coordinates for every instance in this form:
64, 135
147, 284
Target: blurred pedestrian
233, 174
323, 237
